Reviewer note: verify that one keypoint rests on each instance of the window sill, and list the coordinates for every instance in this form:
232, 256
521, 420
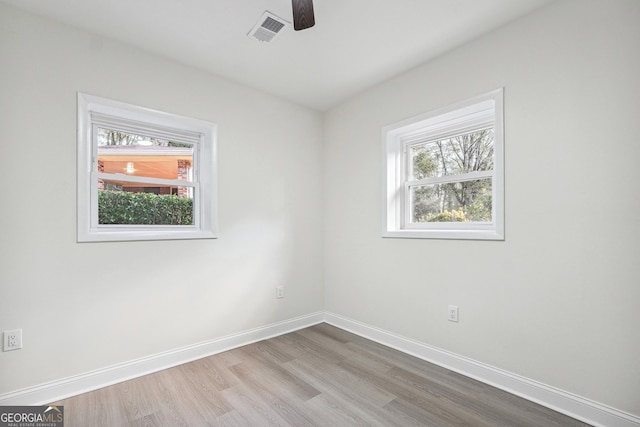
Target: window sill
444, 234
144, 235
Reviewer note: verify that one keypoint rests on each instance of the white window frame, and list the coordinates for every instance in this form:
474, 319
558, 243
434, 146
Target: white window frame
95, 111
466, 116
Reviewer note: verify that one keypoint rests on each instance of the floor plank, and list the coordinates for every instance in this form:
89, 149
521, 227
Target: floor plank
318, 376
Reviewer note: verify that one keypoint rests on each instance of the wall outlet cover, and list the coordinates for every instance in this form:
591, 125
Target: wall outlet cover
12, 340
453, 313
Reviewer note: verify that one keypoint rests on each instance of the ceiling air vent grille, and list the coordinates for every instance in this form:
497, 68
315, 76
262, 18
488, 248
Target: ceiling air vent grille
268, 26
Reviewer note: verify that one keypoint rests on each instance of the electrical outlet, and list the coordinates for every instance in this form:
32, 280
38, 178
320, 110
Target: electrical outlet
279, 292
12, 340
453, 313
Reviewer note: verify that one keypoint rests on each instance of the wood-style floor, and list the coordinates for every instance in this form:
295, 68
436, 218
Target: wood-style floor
318, 376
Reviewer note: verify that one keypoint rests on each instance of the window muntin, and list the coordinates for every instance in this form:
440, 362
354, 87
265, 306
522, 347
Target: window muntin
143, 174
444, 173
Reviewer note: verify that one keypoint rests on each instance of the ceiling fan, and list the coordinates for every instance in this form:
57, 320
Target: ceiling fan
269, 25
303, 17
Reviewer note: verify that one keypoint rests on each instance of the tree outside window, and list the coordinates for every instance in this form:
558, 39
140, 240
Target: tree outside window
444, 172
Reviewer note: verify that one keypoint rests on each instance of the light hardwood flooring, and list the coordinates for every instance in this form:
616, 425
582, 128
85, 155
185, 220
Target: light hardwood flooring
318, 376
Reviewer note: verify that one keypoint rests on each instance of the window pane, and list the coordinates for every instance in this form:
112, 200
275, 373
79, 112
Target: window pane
137, 155
144, 204
453, 156
468, 201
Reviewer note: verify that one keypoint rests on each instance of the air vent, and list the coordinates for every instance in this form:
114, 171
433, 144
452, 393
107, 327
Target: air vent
268, 26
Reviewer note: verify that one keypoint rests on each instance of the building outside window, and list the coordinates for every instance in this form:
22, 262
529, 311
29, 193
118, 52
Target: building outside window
143, 174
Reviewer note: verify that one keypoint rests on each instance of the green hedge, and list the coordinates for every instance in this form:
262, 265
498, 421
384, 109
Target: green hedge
120, 207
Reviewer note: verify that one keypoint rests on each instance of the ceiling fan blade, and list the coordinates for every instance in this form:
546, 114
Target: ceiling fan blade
303, 17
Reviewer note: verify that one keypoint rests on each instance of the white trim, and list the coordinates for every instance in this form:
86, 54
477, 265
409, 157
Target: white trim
471, 176
561, 401
82, 383
564, 402
142, 179
467, 115
94, 111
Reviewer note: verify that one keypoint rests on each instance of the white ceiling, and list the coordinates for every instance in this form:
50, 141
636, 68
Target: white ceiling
354, 44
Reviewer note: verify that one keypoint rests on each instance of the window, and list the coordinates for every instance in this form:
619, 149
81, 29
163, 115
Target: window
444, 173
143, 174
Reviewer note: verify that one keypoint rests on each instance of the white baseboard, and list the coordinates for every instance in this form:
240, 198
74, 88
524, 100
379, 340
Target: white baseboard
61, 389
575, 406
572, 405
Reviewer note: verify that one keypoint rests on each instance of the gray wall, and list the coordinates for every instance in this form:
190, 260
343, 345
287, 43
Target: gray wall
555, 302
92, 305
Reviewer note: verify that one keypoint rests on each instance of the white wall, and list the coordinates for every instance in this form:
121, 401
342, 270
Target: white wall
92, 305
557, 301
